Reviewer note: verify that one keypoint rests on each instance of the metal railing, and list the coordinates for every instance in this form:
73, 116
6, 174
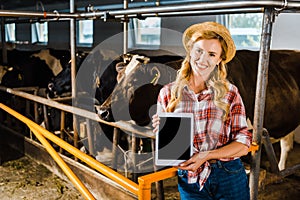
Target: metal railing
142, 190
42, 133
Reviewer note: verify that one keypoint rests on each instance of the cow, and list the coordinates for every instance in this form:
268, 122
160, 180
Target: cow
134, 94
121, 69
282, 93
150, 78
60, 84
88, 87
35, 67
3, 71
30, 69
103, 71
97, 63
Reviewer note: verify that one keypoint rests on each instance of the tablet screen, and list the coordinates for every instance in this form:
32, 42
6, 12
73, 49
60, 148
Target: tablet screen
174, 139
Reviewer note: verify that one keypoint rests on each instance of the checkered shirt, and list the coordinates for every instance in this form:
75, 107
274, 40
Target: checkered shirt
210, 131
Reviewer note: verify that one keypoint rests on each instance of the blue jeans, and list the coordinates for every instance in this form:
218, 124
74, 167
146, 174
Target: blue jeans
227, 181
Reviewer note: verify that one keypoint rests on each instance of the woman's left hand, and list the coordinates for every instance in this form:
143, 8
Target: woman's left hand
194, 162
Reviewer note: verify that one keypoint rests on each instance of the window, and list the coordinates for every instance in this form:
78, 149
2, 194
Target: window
10, 32
85, 32
39, 32
245, 29
147, 32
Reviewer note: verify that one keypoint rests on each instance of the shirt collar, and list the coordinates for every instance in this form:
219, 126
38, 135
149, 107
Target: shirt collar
203, 92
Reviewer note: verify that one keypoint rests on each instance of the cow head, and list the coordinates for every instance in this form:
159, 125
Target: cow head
52, 62
11, 76
3, 70
136, 91
115, 72
61, 84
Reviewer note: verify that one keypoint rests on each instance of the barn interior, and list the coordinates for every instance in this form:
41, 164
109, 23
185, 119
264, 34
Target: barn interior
98, 30
115, 27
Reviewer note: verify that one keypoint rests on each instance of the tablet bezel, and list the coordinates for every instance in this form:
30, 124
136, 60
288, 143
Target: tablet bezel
172, 162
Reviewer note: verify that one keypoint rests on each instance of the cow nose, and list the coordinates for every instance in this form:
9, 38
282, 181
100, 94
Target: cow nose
51, 86
103, 113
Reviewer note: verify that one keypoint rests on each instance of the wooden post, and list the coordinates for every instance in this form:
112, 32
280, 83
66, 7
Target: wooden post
90, 136
62, 128
133, 146
115, 148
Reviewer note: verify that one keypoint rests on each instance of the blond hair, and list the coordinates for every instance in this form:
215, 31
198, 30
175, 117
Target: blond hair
217, 81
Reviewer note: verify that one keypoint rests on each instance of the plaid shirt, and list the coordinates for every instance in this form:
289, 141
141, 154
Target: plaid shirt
210, 131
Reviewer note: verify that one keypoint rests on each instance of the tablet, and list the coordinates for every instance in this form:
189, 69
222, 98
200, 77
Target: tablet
174, 138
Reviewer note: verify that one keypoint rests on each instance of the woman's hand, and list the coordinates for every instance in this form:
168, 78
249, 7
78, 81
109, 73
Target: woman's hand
195, 161
155, 123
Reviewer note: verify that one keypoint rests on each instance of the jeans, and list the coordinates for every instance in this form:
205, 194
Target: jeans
227, 181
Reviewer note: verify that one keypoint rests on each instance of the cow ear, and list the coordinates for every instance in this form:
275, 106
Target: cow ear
120, 66
156, 72
97, 81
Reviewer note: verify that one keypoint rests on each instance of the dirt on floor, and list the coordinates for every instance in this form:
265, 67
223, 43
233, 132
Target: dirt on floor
23, 178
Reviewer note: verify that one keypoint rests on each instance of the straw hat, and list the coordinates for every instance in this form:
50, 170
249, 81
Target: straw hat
193, 32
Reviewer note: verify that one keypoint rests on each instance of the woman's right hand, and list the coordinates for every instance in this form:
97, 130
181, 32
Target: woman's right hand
155, 123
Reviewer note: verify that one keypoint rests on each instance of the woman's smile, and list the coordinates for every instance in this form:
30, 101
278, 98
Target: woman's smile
201, 65
205, 56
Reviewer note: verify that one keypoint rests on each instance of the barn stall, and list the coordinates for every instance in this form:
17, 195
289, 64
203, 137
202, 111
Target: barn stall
115, 18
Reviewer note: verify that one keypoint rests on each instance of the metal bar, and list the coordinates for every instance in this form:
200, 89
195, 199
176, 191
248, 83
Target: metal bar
27, 89
270, 152
203, 6
37, 130
73, 50
33, 20
202, 12
165, 14
35, 107
116, 135
159, 186
260, 96
115, 176
65, 168
134, 151
289, 171
3, 41
125, 29
45, 112
199, 7
63, 99
143, 131
31, 14
62, 127
146, 181
90, 136
73, 68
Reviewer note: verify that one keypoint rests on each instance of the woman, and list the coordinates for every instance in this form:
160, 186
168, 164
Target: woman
221, 137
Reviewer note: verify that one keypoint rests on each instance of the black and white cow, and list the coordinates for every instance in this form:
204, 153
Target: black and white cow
34, 67
135, 94
147, 77
105, 76
31, 69
60, 84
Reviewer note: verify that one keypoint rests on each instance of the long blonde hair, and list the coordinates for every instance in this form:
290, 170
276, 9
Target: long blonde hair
217, 81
